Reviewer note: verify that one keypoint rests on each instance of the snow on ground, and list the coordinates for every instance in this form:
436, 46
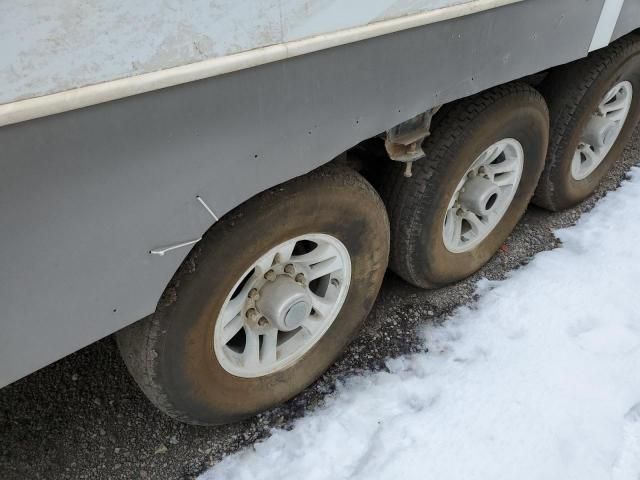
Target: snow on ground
540, 379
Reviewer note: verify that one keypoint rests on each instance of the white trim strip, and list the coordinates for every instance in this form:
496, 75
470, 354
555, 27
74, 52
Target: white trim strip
23, 110
606, 24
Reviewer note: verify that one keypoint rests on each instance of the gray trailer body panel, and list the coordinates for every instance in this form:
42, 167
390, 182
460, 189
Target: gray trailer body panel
85, 195
629, 19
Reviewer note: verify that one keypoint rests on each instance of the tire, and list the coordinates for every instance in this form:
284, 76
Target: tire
171, 353
417, 205
573, 93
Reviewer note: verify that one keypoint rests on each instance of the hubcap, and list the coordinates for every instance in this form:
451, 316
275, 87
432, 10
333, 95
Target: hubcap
483, 195
282, 306
479, 195
285, 303
602, 131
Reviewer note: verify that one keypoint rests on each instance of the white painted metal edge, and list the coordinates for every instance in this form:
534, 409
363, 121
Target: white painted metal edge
161, 251
207, 208
606, 24
31, 108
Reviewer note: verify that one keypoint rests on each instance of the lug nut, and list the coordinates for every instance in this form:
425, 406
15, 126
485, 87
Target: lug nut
251, 314
270, 275
300, 279
263, 322
289, 269
254, 294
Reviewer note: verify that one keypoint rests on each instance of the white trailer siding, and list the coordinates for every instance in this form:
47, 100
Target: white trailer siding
57, 45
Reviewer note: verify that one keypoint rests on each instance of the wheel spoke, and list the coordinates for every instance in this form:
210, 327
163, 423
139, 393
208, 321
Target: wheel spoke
617, 104
509, 165
453, 226
285, 251
251, 353
576, 164
477, 226
490, 155
321, 305
325, 267
506, 179
614, 100
591, 158
611, 94
617, 116
311, 324
232, 328
318, 254
268, 352
265, 263
492, 218
281, 255
233, 309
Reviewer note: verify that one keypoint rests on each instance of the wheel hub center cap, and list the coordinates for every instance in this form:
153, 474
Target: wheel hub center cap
601, 132
479, 195
296, 314
285, 303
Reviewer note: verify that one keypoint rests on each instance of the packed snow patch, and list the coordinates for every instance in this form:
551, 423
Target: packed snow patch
540, 379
